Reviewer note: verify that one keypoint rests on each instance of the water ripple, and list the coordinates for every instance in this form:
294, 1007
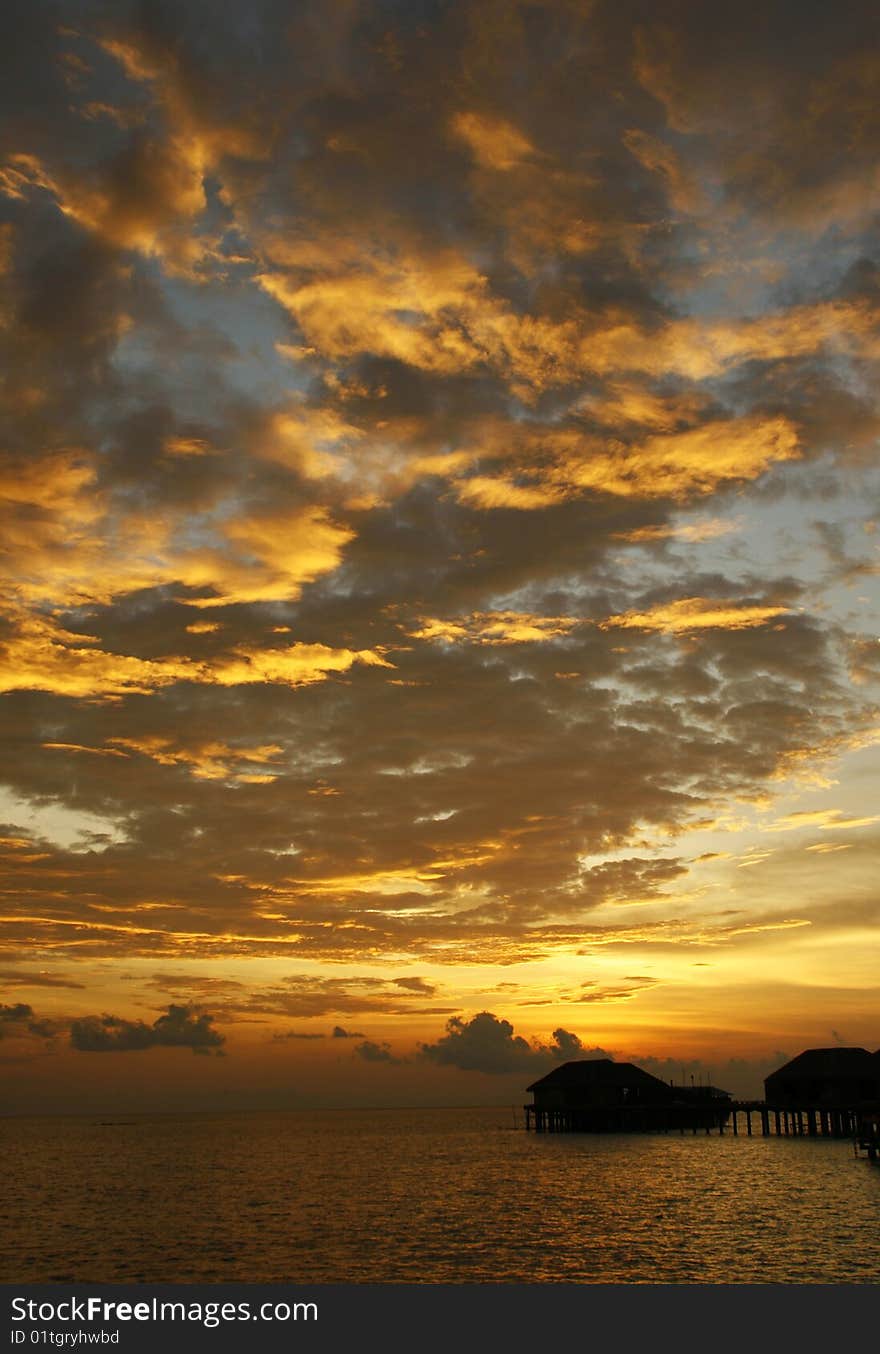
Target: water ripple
433, 1196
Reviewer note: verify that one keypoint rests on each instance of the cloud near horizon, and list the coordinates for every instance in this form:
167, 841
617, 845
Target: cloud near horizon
179, 1027
486, 1043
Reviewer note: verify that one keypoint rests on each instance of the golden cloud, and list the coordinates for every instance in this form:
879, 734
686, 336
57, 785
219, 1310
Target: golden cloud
150, 208
493, 142
435, 311
825, 819
701, 348
403, 307
496, 627
297, 665
212, 760
311, 441
41, 656
695, 613
695, 461
68, 543
185, 446
693, 532
551, 466
80, 747
270, 557
152, 201
501, 491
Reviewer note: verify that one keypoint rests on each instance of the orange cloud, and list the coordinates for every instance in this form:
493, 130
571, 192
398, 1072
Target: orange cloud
393, 306
152, 200
493, 142
826, 819
185, 446
297, 665
701, 348
683, 191
311, 441
423, 879
208, 761
496, 627
695, 461
41, 656
435, 311
694, 532
627, 402
270, 557
68, 543
79, 747
694, 613
501, 491
550, 466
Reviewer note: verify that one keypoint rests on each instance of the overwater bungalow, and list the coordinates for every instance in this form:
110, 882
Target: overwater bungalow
829, 1092
823, 1092
598, 1095
826, 1076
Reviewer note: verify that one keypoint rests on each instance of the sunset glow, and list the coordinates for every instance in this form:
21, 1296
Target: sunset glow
440, 554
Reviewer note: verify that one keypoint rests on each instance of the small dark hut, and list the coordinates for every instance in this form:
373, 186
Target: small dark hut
598, 1095
826, 1077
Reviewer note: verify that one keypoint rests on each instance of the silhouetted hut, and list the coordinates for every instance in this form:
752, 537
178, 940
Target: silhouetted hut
599, 1095
594, 1082
826, 1077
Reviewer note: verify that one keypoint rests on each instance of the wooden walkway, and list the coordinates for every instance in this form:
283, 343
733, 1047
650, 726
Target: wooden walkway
811, 1121
749, 1117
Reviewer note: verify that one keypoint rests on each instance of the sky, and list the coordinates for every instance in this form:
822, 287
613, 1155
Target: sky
439, 543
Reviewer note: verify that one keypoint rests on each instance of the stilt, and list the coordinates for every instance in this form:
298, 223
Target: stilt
711, 1115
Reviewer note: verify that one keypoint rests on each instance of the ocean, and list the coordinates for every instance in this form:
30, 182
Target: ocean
424, 1196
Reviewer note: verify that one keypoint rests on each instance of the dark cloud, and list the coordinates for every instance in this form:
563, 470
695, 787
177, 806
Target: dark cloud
16, 977
417, 985
19, 1020
567, 1045
195, 988
303, 995
179, 1027
339, 1032
376, 1053
16, 1015
486, 1043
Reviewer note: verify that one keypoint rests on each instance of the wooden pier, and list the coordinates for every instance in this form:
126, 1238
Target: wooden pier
868, 1135
624, 1119
796, 1121
749, 1117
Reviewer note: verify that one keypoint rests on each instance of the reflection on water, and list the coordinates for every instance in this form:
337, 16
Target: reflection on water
433, 1196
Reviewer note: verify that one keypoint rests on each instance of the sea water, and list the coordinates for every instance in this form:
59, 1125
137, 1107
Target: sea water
425, 1196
